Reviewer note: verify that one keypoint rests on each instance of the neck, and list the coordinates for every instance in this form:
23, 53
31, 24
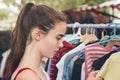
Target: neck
31, 57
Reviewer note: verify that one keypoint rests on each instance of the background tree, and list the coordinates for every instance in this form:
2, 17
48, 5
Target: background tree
60, 4
13, 6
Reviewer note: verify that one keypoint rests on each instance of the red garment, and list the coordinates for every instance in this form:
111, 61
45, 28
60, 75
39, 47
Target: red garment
67, 47
67, 44
21, 70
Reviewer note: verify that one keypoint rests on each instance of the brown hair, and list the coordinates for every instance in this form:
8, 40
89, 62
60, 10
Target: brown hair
31, 16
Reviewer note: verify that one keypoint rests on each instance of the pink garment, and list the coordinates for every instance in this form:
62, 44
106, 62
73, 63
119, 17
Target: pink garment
93, 52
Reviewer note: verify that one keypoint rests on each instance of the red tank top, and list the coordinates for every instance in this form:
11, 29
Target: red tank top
22, 69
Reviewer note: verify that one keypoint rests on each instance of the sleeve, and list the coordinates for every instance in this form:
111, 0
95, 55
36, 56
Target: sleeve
103, 70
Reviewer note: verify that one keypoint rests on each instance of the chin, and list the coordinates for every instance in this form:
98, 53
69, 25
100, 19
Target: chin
50, 56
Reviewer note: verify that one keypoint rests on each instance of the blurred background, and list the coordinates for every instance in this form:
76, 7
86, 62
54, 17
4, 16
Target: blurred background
74, 10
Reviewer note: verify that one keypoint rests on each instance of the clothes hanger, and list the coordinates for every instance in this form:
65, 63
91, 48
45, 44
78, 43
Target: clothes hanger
113, 40
74, 37
92, 31
73, 28
103, 33
105, 40
115, 37
79, 31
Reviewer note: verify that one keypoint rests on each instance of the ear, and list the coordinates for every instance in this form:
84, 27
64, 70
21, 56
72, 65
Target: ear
36, 34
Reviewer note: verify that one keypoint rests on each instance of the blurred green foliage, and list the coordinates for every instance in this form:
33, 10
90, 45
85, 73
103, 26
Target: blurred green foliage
6, 14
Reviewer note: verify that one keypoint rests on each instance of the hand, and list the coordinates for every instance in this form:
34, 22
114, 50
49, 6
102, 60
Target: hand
92, 76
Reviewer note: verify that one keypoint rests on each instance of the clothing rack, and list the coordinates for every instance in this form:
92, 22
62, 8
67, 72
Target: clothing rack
109, 25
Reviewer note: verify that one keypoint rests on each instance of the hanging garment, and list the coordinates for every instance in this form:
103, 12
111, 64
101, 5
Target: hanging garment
67, 47
68, 64
83, 71
76, 72
93, 52
60, 64
4, 59
97, 64
111, 68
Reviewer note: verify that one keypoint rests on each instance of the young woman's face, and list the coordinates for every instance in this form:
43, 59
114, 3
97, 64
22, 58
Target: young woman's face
51, 42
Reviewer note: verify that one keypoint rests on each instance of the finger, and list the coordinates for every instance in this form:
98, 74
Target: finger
94, 73
101, 78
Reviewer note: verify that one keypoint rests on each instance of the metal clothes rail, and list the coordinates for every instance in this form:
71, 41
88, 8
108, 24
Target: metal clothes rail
109, 25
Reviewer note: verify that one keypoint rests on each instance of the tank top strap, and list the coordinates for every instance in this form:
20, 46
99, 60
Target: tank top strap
21, 70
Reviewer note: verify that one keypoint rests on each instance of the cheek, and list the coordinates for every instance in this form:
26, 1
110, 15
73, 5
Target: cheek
50, 45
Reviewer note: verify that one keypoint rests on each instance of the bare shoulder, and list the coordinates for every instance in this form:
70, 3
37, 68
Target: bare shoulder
28, 75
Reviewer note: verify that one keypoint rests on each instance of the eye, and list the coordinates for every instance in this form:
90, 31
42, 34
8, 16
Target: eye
58, 38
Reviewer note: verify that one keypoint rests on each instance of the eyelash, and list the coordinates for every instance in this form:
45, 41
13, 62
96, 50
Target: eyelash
58, 39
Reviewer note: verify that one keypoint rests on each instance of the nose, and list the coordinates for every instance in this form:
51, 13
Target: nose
60, 45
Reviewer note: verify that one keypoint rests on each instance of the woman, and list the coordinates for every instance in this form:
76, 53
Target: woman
37, 34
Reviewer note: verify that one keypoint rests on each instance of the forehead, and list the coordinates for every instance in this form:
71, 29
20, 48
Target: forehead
60, 28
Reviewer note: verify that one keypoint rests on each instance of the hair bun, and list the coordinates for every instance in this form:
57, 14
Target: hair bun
28, 6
